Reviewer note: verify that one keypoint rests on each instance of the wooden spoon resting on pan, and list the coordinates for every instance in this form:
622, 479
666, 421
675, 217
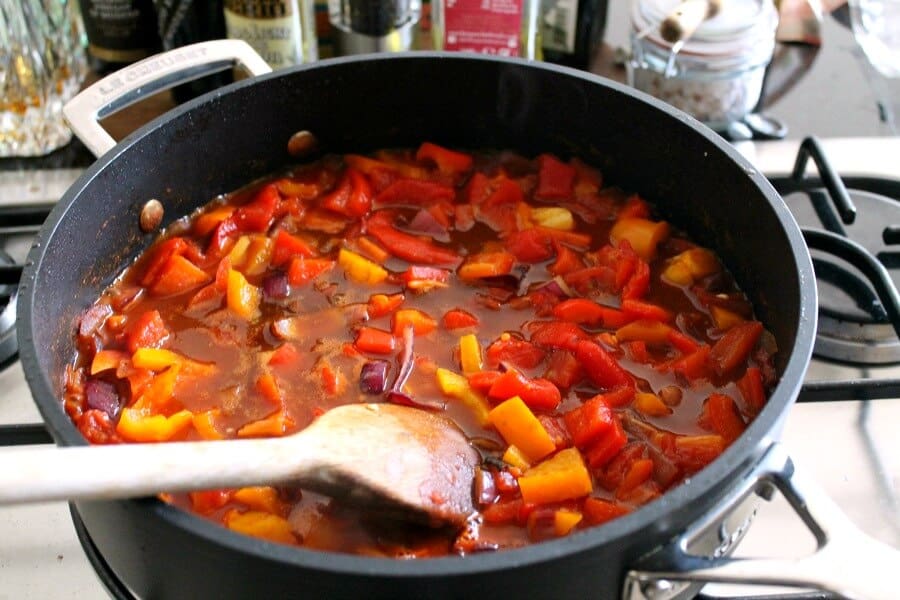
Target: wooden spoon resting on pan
411, 464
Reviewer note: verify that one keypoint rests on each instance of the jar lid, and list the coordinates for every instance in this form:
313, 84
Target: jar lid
738, 26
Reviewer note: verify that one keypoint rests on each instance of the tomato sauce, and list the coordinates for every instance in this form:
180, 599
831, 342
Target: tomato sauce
594, 355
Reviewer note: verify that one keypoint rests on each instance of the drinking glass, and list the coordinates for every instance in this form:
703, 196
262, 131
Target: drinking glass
42, 65
876, 27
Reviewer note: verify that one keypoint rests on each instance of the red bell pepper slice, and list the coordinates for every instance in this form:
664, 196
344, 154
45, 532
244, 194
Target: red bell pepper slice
723, 417
637, 309
374, 341
288, 246
447, 161
589, 421
637, 285
694, 366
530, 245
635, 207
352, 197
535, 393
514, 352
607, 447
557, 334
752, 390
457, 319
556, 179
380, 305
220, 239
588, 312
500, 210
734, 348
598, 511
178, 275
303, 270
147, 331
415, 192
563, 369
601, 367
481, 381
406, 246
258, 214
567, 260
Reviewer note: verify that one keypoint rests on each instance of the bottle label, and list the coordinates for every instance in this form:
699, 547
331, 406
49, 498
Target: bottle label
270, 27
120, 30
559, 18
486, 26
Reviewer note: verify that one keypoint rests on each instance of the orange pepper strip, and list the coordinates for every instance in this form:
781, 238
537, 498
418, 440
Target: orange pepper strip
261, 525
519, 427
562, 477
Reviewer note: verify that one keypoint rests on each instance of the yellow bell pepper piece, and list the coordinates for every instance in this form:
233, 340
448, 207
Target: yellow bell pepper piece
238, 253
205, 424
158, 395
155, 359
242, 298
514, 457
259, 253
724, 318
469, 354
107, 359
519, 427
643, 235
456, 386
261, 525
359, 268
565, 520
136, 426
562, 477
554, 217
690, 265
650, 404
262, 498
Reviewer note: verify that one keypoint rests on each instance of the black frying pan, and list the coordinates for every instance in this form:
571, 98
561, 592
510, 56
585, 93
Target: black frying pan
229, 137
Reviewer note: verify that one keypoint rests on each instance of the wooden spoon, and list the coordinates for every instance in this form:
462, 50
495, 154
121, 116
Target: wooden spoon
684, 20
412, 464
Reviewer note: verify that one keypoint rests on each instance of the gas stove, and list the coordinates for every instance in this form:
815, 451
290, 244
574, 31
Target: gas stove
840, 434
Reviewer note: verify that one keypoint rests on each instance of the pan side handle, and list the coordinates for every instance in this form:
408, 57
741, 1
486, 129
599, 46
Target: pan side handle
149, 76
847, 562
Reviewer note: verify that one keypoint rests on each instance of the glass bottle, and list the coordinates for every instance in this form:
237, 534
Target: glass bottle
497, 27
119, 32
281, 31
571, 30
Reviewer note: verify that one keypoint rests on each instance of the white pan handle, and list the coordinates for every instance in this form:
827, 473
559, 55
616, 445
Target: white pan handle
149, 76
847, 562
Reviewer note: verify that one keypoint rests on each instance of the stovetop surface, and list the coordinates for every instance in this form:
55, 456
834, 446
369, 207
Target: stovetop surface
850, 448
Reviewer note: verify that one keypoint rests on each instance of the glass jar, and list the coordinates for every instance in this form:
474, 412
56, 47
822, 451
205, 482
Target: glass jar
717, 74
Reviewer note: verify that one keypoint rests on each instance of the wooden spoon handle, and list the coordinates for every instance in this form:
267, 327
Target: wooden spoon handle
131, 470
682, 22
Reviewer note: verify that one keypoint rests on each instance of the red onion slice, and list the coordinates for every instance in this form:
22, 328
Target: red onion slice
424, 222
276, 285
373, 378
102, 395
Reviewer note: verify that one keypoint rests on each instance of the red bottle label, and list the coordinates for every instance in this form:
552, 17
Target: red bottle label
486, 26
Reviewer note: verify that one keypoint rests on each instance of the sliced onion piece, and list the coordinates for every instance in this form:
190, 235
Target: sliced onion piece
373, 377
424, 222
276, 285
102, 395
